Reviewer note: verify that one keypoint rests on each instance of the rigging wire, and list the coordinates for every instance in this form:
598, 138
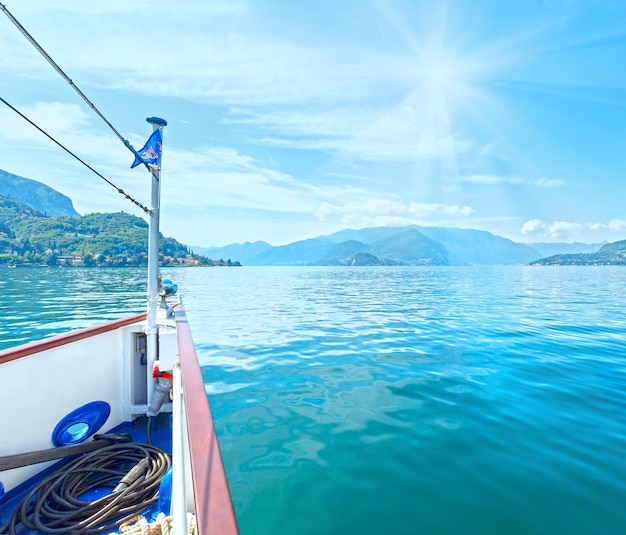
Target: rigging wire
119, 190
54, 65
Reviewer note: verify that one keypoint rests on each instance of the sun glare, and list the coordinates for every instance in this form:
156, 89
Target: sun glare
439, 74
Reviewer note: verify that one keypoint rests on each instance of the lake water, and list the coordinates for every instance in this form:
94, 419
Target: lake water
444, 400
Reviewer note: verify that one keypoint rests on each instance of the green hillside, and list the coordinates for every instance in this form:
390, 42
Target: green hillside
28, 237
609, 254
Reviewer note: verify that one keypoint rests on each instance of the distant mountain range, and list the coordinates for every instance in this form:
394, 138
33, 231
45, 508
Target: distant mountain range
38, 196
409, 245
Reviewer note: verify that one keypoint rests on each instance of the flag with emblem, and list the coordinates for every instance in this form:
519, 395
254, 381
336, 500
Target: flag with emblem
151, 151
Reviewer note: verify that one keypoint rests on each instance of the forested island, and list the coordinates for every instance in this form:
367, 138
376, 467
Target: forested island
31, 238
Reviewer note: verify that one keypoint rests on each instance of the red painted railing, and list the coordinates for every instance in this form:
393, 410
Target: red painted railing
214, 507
66, 338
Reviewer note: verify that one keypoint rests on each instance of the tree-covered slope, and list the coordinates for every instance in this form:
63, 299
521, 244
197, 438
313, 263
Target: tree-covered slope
28, 237
107, 234
411, 247
609, 254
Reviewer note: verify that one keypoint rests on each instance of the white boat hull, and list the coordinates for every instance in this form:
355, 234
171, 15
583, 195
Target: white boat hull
43, 382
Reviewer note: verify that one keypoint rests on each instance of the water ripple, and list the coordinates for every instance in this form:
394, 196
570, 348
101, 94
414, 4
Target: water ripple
403, 400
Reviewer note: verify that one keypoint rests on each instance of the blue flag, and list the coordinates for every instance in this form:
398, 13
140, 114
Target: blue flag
151, 151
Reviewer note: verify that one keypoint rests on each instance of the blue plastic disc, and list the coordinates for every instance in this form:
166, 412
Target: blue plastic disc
81, 423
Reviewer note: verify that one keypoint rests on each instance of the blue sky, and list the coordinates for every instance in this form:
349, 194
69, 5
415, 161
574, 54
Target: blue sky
289, 120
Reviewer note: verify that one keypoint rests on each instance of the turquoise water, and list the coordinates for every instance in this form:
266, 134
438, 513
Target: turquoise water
481, 400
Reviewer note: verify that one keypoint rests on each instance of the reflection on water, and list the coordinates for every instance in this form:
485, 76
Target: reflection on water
41, 302
435, 400
393, 400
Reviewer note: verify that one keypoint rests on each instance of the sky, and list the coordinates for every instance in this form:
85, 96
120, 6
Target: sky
289, 120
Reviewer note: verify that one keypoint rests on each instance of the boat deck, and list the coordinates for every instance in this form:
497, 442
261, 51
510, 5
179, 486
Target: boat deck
101, 380
158, 441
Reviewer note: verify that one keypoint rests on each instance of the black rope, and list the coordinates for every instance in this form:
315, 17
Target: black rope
55, 505
149, 430
119, 190
39, 48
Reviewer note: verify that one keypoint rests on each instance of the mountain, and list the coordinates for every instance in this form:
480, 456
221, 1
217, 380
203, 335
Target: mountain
38, 196
367, 235
410, 245
353, 253
30, 238
551, 249
609, 254
243, 252
466, 247
12, 211
300, 253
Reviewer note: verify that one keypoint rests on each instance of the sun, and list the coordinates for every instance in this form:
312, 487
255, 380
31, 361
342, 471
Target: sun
440, 74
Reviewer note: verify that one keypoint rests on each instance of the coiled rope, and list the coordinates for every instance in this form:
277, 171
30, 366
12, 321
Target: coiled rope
162, 525
138, 525
55, 505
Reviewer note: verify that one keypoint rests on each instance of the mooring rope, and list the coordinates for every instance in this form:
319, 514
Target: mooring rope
161, 525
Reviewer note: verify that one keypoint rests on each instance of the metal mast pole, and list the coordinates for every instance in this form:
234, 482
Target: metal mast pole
153, 259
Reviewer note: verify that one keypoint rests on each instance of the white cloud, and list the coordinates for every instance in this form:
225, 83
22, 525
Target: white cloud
331, 95
55, 118
224, 177
361, 207
495, 179
424, 210
491, 179
396, 99
553, 229
617, 225
222, 56
549, 182
569, 229
369, 211
533, 226
406, 130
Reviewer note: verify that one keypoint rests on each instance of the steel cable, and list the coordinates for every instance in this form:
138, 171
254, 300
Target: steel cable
57, 505
58, 69
119, 190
